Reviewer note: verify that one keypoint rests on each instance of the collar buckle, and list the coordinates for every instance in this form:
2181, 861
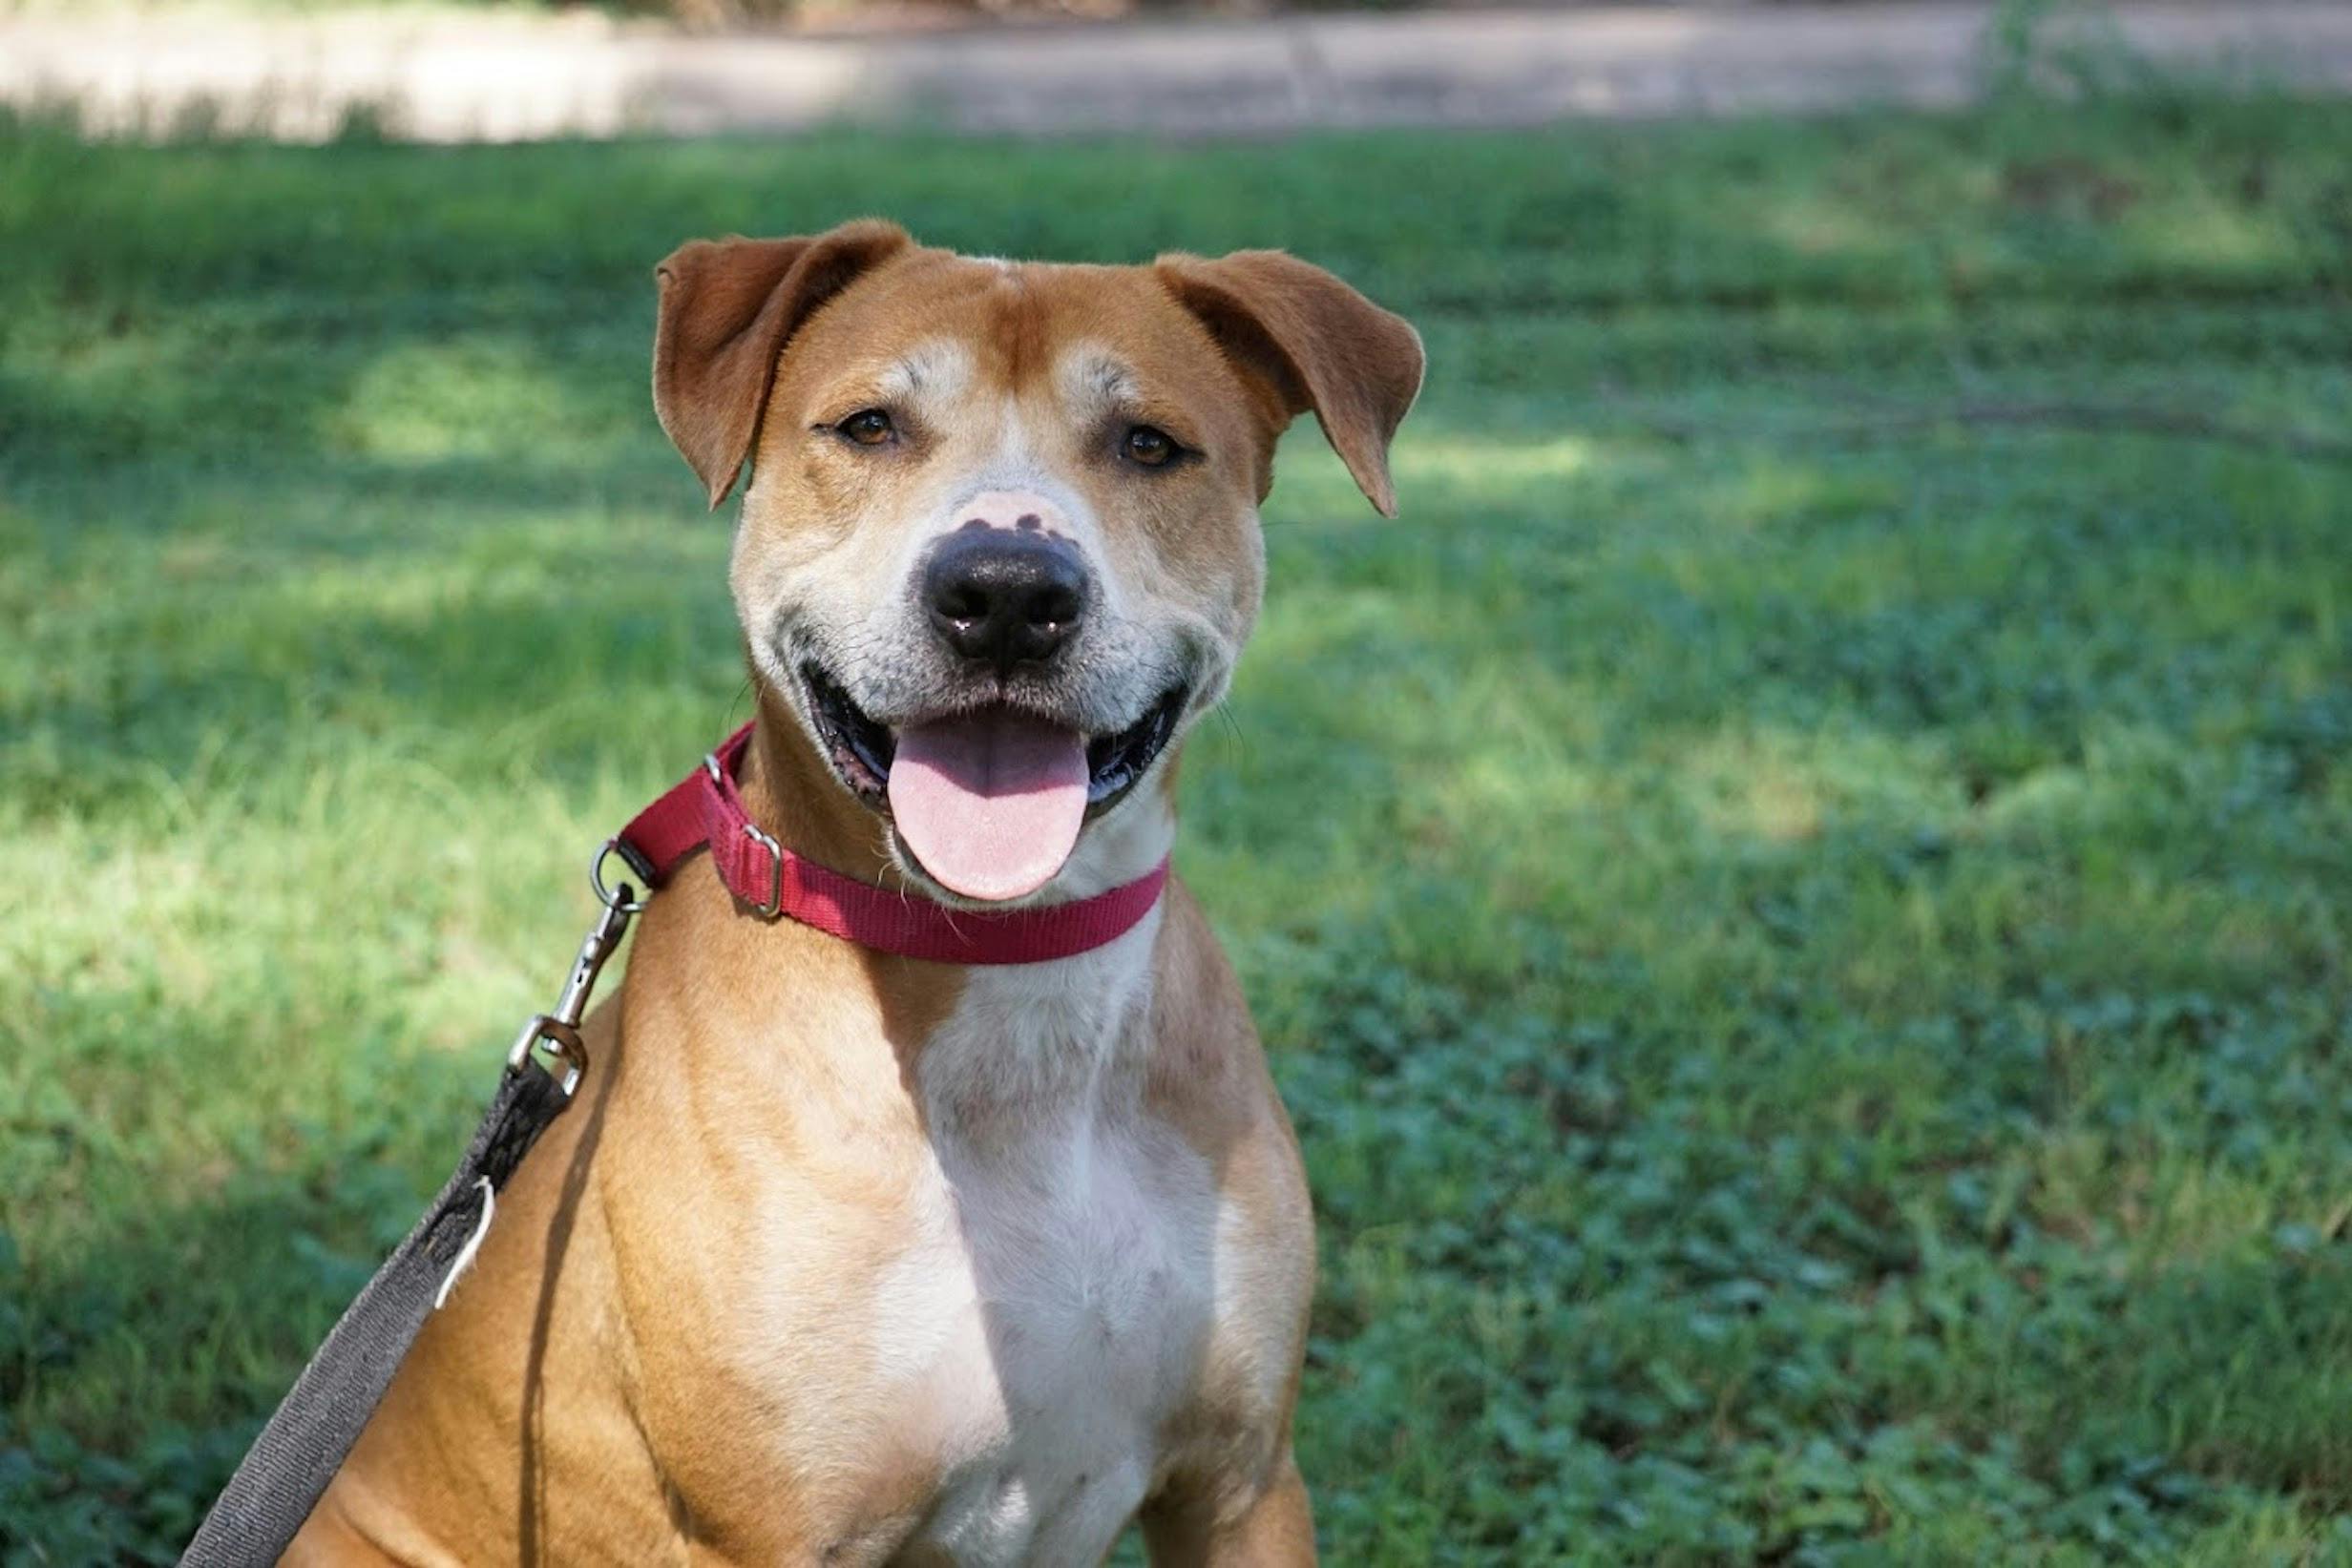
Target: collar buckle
774, 906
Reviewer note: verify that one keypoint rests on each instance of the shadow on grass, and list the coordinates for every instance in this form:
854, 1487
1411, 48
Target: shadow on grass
1831, 1275
210, 1305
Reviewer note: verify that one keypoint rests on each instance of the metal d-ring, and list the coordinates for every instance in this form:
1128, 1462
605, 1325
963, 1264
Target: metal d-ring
621, 902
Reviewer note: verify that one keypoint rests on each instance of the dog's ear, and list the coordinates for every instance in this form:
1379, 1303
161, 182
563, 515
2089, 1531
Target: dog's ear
1313, 342
727, 307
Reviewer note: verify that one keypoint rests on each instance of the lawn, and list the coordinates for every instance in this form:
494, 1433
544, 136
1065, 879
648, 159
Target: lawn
1798, 897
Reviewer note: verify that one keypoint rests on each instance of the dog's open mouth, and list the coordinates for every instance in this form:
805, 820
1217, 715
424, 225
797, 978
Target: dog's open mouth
991, 800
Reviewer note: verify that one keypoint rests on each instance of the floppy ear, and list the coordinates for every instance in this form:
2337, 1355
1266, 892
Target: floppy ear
1316, 344
728, 308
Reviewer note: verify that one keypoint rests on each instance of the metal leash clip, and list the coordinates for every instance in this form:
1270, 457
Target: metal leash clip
559, 1030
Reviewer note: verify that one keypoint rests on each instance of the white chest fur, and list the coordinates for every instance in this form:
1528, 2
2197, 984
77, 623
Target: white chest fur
1053, 1292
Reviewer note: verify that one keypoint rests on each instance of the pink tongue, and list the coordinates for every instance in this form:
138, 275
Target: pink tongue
990, 803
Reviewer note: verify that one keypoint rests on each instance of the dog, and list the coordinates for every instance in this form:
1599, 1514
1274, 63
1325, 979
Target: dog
845, 1257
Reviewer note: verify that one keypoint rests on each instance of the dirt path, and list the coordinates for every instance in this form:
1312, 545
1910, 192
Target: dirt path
453, 75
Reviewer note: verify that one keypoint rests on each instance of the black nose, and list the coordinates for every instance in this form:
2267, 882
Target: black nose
1004, 599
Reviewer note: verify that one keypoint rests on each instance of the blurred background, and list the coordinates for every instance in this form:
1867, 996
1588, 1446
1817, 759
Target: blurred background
1798, 896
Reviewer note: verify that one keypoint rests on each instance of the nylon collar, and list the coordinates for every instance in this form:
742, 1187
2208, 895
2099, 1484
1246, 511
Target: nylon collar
706, 809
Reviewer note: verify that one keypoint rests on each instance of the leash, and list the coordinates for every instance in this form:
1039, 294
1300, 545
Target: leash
306, 1439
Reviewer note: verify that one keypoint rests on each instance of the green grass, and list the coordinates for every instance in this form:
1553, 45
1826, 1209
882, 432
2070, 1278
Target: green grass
1807, 946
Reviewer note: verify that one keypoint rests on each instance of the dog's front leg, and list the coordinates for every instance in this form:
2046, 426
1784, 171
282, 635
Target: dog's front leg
1274, 1530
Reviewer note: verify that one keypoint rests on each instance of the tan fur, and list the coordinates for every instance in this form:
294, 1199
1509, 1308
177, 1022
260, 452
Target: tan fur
703, 1329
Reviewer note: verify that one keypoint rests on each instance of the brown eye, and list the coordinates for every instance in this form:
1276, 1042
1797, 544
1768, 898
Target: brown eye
868, 428
1148, 447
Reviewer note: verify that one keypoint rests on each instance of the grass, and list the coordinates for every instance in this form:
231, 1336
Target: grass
1806, 939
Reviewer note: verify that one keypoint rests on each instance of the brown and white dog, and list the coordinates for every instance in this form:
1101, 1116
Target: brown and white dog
847, 1258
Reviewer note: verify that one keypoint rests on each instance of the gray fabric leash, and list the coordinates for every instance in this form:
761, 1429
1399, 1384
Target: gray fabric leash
306, 1441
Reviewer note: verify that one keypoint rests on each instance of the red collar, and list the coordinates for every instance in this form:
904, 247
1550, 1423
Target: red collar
706, 809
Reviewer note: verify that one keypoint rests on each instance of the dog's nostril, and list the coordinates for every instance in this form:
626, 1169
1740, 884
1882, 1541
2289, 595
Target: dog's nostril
1053, 605
963, 603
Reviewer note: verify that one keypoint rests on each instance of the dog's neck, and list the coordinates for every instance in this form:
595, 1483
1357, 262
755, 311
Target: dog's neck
1027, 1041
791, 793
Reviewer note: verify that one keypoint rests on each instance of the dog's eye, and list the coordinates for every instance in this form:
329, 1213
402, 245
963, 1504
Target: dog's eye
1148, 447
868, 428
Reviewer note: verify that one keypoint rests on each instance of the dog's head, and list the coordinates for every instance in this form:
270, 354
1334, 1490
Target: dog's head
1000, 544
